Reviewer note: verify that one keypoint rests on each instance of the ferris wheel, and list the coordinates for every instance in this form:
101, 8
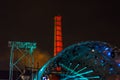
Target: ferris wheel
90, 60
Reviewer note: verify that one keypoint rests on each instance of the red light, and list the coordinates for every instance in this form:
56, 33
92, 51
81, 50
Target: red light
58, 33
58, 38
58, 68
58, 49
58, 28
58, 23
58, 18
59, 44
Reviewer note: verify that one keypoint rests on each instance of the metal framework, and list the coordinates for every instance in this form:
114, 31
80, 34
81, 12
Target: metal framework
24, 50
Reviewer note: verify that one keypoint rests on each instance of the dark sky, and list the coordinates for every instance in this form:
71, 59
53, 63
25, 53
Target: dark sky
83, 20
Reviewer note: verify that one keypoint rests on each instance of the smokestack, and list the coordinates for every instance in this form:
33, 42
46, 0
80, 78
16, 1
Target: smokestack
58, 44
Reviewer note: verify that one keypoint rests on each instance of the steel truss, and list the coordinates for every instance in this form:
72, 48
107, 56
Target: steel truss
24, 50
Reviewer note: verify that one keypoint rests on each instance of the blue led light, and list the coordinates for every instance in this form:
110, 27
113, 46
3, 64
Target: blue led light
106, 48
101, 61
111, 69
109, 53
119, 64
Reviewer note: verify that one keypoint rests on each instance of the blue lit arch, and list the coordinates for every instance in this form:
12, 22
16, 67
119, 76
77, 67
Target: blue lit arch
90, 60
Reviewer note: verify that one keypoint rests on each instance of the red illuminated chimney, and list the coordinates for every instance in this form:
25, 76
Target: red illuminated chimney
58, 45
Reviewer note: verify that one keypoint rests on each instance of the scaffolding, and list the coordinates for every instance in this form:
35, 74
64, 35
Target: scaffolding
25, 50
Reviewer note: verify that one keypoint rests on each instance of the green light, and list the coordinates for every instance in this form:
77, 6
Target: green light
26, 45
82, 69
76, 74
22, 44
93, 77
75, 68
69, 67
90, 71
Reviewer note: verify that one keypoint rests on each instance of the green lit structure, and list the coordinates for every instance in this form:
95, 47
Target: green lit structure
90, 60
25, 49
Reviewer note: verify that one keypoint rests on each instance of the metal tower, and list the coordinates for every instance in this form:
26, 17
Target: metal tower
58, 44
24, 50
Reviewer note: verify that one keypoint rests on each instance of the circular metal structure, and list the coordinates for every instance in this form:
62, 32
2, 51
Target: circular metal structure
90, 60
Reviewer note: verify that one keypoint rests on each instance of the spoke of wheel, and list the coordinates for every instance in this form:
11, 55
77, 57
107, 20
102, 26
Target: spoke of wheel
75, 68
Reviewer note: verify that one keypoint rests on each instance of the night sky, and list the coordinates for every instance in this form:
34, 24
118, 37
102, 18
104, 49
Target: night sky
82, 20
